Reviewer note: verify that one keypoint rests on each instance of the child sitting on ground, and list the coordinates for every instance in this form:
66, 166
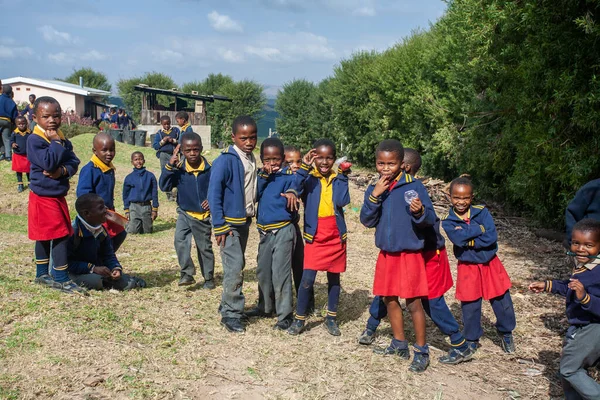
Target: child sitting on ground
191, 178
92, 260
140, 196
480, 274
581, 347
182, 119
18, 143
165, 141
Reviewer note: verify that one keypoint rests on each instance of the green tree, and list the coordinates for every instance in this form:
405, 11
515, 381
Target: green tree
296, 104
91, 78
133, 99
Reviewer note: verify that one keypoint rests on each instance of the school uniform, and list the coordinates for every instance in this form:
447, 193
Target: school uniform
480, 272
193, 220
28, 113
125, 122
48, 214
114, 119
140, 199
186, 128
89, 247
585, 204
232, 198
8, 114
20, 163
277, 238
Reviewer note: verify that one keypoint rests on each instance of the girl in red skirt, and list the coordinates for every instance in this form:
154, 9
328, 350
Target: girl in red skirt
53, 163
325, 194
18, 142
481, 275
399, 207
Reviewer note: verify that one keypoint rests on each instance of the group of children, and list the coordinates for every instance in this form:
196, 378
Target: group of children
222, 198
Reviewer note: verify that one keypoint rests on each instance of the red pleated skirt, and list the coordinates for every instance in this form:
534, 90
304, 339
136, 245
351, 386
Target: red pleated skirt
400, 274
48, 218
475, 281
327, 252
439, 277
20, 163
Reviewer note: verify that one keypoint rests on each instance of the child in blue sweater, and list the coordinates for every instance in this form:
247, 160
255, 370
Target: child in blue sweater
165, 141
191, 177
277, 208
582, 293
140, 196
53, 163
98, 176
18, 143
183, 121
585, 204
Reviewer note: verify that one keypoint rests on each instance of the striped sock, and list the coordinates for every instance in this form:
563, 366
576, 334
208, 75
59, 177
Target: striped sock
41, 267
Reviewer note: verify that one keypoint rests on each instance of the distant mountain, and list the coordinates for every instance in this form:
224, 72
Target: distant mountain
268, 119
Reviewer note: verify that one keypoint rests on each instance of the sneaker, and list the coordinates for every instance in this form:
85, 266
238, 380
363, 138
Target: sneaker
392, 351
332, 327
283, 325
456, 356
473, 346
367, 337
20, 188
46, 280
233, 325
186, 280
73, 288
296, 328
209, 285
508, 343
419, 363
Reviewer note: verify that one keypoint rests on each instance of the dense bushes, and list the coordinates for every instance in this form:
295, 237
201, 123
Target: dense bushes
503, 90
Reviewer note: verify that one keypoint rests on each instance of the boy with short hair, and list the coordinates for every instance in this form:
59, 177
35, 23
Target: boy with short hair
98, 176
182, 119
585, 204
165, 141
232, 199
140, 196
191, 177
28, 111
18, 143
582, 292
92, 260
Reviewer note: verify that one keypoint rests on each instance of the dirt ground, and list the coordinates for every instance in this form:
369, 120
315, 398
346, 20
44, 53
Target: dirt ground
166, 342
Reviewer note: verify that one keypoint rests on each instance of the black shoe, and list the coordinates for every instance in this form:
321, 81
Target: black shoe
389, 351
46, 280
508, 343
9, 159
332, 327
296, 328
419, 363
367, 337
2, 157
20, 188
258, 313
233, 325
209, 285
135, 283
73, 288
456, 356
186, 280
283, 325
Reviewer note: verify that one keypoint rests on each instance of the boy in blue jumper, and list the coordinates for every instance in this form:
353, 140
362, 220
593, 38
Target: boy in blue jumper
191, 177
232, 199
277, 208
28, 111
585, 204
582, 292
165, 141
92, 260
140, 196
98, 176
8, 114
183, 119
439, 280
18, 143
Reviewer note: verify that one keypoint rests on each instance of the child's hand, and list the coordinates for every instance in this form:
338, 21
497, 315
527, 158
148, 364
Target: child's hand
416, 206
537, 287
221, 239
127, 215
54, 175
381, 186
175, 157
578, 288
115, 274
101, 270
205, 205
52, 135
154, 215
268, 169
292, 201
309, 157
15, 146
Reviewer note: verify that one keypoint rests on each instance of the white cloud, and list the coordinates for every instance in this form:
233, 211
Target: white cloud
7, 41
292, 47
266, 53
60, 58
64, 58
365, 12
8, 52
167, 55
231, 56
93, 55
224, 23
361, 8
51, 35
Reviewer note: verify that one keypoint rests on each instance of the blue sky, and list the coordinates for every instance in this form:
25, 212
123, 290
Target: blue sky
269, 41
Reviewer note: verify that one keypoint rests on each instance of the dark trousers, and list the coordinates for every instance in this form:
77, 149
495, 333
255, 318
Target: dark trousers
97, 282
581, 350
298, 266
233, 260
503, 309
274, 272
140, 218
306, 288
118, 240
186, 228
5, 132
164, 160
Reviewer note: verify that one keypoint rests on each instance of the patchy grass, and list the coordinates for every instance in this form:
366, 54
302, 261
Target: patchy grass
166, 342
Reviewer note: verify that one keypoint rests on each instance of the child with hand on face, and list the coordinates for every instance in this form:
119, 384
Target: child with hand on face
18, 143
165, 142
581, 347
140, 196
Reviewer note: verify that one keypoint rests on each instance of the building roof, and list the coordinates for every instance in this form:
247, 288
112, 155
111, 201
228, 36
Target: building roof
176, 93
57, 85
